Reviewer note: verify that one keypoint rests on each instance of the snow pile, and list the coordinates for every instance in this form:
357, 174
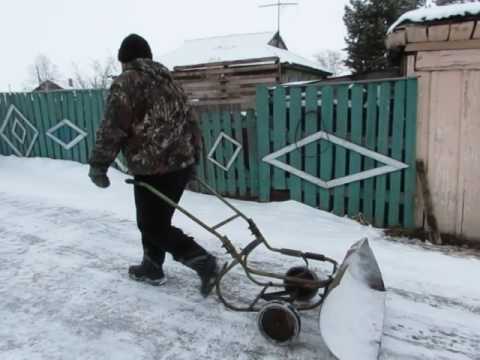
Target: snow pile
437, 13
232, 48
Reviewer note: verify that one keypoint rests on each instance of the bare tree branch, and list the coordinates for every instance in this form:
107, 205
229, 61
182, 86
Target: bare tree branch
43, 69
333, 61
99, 76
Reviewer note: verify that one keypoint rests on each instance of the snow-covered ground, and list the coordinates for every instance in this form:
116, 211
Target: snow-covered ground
64, 291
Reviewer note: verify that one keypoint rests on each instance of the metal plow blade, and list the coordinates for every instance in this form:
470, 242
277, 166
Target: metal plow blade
351, 318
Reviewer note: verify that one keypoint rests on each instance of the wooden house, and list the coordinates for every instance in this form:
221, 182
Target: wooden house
225, 70
48, 85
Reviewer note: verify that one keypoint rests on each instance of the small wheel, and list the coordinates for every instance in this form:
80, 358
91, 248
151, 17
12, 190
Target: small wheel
279, 322
301, 293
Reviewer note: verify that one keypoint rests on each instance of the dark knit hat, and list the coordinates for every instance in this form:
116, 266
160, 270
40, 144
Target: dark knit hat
134, 47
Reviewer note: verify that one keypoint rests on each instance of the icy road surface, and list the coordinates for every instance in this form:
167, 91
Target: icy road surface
65, 247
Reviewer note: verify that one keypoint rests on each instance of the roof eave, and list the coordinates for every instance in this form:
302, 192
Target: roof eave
448, 20
305, 67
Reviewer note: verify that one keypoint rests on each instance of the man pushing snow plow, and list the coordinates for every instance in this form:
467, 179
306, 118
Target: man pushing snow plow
352, 296
147, 118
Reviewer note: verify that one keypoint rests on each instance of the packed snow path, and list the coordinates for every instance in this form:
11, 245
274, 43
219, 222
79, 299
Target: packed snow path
65, 294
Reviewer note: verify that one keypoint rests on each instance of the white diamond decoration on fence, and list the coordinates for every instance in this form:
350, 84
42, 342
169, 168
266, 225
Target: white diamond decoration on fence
391, 165
235, 153
15, 127
81, 134
26, 128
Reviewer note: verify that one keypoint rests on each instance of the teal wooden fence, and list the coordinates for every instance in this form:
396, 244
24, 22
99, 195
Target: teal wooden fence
57, 124
345, 148
230, 137
364, 159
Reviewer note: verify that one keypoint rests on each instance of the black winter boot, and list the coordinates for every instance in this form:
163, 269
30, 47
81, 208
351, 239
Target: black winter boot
148, 271
207, 269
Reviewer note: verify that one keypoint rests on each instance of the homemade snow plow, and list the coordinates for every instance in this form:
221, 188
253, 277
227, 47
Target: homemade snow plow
352, 295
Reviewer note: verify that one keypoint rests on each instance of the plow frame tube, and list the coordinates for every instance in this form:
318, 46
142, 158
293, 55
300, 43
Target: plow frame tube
241, 257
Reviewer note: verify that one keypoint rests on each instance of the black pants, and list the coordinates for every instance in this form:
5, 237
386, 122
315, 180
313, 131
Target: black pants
154, 218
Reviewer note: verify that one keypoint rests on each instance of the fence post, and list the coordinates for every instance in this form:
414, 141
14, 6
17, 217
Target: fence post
410, 153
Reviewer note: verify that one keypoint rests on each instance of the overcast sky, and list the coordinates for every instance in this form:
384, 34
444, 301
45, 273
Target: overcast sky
81, 31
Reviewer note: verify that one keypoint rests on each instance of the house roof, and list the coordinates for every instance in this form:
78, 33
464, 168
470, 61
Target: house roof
48, 85
233, 48
437, 13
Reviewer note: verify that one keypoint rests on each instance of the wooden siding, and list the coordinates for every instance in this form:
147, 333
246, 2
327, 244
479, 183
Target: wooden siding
235, 82
447, 64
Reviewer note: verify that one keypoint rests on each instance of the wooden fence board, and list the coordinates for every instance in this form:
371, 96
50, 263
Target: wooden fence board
340, 151
253, 158
371, 124
200, 165
206, 126
71, 101
397, 151
238, 124
279, 134
295, 131
37, 118
64, 132
24, 106
4, 105
52, 114
90, 129
311, 153
382, 148
218, 155
228, 153
263, 142
41, 116
326, 149
355, 158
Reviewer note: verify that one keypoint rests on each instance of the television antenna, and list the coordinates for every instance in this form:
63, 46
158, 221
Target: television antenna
279, 4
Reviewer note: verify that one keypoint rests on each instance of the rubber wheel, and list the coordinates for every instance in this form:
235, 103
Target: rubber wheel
279, 323
301, 293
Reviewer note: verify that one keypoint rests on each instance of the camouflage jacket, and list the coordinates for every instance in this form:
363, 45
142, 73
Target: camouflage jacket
147, 118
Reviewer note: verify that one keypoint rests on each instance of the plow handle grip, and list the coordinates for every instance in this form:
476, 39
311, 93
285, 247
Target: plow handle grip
301, 254
314, 256
291, 252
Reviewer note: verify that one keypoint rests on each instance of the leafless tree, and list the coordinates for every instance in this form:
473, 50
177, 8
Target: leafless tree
333, 61
99, 76
42, 69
